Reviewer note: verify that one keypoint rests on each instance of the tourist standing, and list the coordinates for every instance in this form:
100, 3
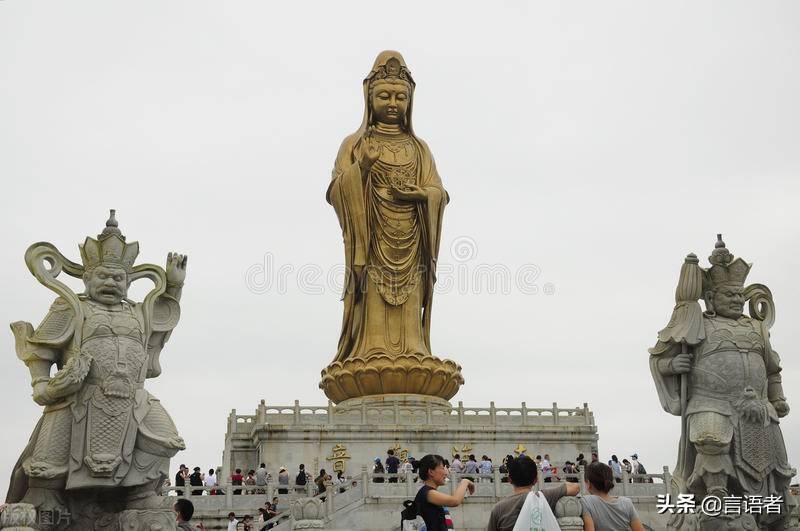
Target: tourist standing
283, 480
378, 469
392, 465
405, 468
522, 472
236, 479
261, 479
485, 468
250, 481
547, 469
180, 478
606, 512
196, 480
457, 466
302, 478
470, 467
211, 481
429, 501
616, 468
321, 481
233, 523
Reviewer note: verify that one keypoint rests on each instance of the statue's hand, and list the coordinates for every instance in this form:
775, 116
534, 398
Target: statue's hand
41, 396
681, 364
781, 408
410, 192
176, 268
370, 151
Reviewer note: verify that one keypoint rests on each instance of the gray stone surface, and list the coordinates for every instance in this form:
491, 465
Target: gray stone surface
103, 442
718, 371
413, 425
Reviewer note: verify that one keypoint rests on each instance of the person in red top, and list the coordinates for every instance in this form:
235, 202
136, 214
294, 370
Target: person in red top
236, 479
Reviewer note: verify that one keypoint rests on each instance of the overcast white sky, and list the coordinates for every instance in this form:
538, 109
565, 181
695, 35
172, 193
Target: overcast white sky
598, 141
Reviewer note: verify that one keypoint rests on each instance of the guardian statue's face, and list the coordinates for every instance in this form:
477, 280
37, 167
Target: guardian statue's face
729, 301
106, 284
389, 102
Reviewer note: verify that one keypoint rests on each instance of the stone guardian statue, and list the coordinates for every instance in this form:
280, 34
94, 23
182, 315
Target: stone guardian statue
103, 443
718, 371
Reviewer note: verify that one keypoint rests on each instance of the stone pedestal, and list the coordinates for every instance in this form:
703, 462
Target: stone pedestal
356, 431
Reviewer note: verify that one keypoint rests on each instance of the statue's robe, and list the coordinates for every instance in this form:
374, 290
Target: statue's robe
377, 279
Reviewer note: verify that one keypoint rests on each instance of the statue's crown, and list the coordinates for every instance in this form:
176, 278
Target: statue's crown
392, 71
109, 248
724, 269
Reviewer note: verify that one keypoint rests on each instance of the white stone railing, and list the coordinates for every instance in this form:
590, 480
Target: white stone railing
396, 414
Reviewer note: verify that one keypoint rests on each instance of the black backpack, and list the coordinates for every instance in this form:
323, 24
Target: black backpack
409, 513
301, 478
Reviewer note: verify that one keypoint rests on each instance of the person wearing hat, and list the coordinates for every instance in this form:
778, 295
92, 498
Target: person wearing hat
283, 480
196, 480
378, 469
638, 468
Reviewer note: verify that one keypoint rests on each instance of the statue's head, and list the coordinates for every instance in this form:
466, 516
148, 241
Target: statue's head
724, 282
107, 263
390, 89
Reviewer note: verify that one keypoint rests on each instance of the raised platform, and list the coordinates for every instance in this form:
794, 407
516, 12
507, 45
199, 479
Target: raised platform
351, 434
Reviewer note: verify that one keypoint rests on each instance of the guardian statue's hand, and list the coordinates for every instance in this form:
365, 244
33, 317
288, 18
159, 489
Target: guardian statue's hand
176, 268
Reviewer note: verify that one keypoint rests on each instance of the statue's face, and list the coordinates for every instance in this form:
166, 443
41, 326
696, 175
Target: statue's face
729, 301
389, 102
107, 284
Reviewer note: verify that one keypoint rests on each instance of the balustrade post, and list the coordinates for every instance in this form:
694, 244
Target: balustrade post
296, 412
586, 415
492, 413
524, 414
330, 412
232, 422
229, 495
667, 480
497, 482
409, 483
365, 480
555, 413
460, 412
329, 494
625, 478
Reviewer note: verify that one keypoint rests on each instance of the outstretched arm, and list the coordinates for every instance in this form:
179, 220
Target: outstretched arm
167, 315
446, 500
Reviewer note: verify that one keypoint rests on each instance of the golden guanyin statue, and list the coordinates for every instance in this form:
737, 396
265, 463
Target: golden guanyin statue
389, 200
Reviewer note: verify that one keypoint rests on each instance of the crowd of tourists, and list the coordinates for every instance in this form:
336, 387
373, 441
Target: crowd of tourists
601, 510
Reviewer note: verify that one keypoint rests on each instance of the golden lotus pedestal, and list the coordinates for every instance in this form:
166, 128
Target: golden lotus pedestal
383, 374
